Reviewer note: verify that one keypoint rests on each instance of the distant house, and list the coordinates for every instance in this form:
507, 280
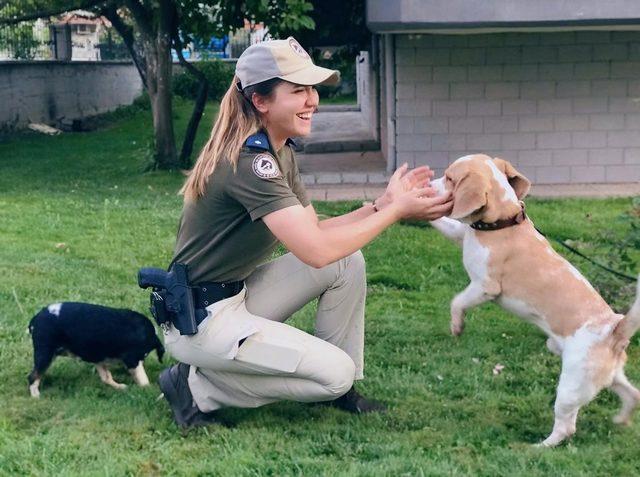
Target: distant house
85, 30
554, 87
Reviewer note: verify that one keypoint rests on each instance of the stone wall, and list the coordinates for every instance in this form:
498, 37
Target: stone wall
563, 107
58, 92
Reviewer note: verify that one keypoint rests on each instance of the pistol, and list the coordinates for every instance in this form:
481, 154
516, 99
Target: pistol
177, 297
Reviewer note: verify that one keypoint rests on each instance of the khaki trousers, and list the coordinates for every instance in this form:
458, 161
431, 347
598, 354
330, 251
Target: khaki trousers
244, 355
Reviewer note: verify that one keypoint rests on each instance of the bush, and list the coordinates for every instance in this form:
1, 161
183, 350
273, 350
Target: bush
343, 60
218, 74
620, 246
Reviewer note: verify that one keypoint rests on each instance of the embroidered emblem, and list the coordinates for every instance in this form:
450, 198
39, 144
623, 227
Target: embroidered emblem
297, 48
265, 166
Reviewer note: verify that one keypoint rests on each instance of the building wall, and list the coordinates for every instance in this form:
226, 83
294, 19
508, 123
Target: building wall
367, 90
384, 16
57, 92
563, 107
384, 115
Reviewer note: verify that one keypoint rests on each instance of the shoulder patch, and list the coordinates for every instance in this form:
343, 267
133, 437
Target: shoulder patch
265, 166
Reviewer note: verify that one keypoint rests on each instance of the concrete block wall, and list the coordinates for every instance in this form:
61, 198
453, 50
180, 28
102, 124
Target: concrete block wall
367, 89
564, 107
53, 92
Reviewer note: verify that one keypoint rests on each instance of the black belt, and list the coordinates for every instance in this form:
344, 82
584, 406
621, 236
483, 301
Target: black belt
207, 293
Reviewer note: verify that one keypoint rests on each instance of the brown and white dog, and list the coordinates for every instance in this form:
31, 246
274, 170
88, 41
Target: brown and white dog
508, 261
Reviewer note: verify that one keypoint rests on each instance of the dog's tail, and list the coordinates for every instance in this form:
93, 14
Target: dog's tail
628, 326
159, 348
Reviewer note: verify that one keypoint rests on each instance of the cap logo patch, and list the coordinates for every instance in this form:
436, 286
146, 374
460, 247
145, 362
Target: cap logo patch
297, 48
265, 167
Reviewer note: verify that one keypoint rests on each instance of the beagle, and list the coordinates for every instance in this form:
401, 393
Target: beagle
508, 261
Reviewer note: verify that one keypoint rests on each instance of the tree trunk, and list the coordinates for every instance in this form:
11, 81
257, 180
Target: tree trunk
194, 122
127, 34
198, 107
159, 86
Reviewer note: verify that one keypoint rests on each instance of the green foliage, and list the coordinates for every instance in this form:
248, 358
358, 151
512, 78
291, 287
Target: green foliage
343, 60
203, 19
338, 23
620, 250
218, 73
19, 40
197, 19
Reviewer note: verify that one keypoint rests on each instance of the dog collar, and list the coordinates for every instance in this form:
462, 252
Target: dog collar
502, 223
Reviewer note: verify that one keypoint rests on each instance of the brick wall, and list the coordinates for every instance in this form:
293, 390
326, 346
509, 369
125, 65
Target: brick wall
55, 92
563, 107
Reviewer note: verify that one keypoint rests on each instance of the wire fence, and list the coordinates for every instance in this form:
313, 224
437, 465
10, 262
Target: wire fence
29, 40
80, 35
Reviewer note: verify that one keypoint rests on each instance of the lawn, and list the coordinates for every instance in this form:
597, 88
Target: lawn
79, 217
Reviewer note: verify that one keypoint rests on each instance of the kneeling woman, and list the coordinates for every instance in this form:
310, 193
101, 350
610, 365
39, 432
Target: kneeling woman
243, 197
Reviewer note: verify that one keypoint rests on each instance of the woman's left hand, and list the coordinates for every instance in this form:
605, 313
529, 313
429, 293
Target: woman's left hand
402, 181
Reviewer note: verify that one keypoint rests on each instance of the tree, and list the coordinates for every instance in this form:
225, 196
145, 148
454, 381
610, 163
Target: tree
150, 28
20, 41
347, 29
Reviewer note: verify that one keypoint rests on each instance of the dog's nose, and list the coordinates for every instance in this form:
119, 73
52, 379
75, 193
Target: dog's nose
438, 185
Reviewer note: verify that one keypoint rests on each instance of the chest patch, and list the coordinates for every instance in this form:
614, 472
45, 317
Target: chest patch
265, 167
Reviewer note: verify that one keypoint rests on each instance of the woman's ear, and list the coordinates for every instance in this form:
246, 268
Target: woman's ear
260, 103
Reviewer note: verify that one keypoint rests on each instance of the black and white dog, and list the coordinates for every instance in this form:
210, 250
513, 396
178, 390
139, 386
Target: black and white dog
94, 333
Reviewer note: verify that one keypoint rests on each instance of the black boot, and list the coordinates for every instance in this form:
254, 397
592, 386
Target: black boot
175, 388
356, 404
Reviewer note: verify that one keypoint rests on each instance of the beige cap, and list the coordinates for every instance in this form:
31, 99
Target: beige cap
284, 59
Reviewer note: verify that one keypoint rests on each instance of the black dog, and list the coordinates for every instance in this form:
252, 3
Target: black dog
95, 334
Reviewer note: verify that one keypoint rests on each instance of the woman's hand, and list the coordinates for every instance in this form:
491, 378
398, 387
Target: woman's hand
402, 181
422, 204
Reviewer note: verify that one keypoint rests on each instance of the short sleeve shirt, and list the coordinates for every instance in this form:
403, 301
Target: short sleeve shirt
221, 236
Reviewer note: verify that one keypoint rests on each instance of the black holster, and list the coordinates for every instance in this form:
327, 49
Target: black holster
158, 307
172, 297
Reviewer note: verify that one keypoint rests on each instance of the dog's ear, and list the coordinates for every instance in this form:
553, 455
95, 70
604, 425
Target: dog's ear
469, 195
520, 183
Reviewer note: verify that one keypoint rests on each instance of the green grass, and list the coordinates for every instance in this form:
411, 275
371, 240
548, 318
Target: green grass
78, 218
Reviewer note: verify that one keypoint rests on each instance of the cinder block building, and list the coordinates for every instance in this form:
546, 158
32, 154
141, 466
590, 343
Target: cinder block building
554, 87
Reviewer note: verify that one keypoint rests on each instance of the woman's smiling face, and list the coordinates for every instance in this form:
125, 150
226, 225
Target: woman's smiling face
288, 111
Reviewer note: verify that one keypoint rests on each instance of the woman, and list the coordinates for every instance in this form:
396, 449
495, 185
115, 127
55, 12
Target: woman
243, 197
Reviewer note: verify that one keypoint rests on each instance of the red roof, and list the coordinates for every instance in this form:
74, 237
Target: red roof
76, 19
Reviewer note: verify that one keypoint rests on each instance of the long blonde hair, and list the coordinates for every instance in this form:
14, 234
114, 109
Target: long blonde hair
237, 120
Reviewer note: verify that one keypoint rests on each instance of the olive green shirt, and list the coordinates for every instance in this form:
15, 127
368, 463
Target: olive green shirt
221, 237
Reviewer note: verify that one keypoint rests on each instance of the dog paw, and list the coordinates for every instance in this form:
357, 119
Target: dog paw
547, 443
457, 329
34, 391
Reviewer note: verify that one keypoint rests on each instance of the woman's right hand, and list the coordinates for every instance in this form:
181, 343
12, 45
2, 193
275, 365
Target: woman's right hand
422, 204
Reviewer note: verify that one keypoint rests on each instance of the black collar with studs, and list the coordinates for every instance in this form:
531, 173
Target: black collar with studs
502, 223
